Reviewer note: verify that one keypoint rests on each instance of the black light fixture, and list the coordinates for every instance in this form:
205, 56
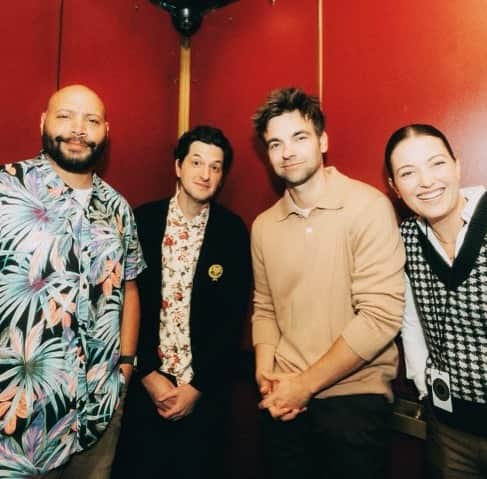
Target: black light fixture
187, 15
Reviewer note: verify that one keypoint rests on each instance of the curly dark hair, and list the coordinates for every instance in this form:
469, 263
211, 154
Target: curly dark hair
209, 135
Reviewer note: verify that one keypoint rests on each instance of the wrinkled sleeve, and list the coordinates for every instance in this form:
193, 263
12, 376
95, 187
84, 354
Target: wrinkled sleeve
415, 349
377, 279
264, 325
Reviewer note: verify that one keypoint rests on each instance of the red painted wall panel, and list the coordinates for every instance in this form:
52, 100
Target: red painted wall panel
392, 63
28, 49
241, 53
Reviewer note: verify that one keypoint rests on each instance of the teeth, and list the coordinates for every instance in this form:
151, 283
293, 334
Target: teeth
430, 196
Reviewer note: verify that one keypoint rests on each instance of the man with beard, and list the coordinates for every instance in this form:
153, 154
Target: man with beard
69, 308
328, 302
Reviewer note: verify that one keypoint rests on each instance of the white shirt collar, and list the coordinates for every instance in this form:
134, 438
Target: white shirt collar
472, 194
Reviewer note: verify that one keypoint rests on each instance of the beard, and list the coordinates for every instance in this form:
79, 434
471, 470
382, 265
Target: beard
52, 147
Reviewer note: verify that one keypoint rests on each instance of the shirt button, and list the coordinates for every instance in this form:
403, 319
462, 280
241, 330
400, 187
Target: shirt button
308, 230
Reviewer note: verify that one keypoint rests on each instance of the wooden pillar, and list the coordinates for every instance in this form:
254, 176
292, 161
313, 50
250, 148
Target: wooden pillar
184, 85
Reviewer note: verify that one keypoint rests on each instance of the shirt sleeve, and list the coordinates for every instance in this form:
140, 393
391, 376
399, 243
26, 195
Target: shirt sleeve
134, 260
377, 278
264, 326
415, 349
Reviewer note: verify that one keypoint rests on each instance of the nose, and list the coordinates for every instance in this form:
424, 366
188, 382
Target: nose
205, 172
287, 150
78, 127
426, 177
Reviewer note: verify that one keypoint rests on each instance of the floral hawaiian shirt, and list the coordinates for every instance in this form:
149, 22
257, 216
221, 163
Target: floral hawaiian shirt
62, 272
181, 247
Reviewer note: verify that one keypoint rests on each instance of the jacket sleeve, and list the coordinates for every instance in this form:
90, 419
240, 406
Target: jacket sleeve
215, 365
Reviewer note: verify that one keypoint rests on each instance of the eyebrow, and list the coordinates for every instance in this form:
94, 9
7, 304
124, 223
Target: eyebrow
199, 156
68, 110
436, 155
270, 140
404, 166
296, 133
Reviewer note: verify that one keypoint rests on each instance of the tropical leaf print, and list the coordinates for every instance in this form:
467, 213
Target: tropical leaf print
62, 273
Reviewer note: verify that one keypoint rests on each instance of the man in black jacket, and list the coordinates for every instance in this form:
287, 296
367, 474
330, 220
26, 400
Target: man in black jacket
194, 297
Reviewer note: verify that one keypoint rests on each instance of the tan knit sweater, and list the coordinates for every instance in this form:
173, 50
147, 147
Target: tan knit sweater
338, 272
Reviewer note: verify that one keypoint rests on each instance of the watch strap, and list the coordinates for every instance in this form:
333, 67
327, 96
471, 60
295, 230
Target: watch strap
128, 359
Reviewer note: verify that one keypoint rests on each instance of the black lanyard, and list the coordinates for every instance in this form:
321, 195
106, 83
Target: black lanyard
439, 314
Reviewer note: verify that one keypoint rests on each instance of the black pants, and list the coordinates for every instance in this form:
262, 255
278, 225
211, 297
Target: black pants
153, 447
344, 437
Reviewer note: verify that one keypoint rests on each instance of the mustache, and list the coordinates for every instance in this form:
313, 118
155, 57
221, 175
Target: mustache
60, 139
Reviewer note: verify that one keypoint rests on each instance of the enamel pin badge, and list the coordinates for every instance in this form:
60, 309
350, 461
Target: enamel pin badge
215, 272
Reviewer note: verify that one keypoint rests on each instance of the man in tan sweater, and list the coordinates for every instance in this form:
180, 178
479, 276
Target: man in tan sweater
329, 296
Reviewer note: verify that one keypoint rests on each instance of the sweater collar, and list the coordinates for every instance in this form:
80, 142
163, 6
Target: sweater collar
331, 195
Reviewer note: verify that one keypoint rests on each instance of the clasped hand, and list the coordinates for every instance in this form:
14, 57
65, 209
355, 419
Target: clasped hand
285, 395
172, 402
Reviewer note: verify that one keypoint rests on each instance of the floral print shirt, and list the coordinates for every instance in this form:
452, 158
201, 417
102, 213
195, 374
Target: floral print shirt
62, 272
181, 247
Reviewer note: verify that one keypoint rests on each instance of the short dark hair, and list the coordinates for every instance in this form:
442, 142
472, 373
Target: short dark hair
285, 100
209, 135
410, 131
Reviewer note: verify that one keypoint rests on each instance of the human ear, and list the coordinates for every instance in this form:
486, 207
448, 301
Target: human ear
177, 168
324, 142
42, 122
393, 187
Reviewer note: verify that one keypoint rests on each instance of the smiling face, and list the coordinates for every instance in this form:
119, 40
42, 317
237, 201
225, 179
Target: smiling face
74, 129
294, 148
200, 173
426, 177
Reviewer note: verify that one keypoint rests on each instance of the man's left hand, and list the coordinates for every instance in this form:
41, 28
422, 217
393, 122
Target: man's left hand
183, 399
288, 391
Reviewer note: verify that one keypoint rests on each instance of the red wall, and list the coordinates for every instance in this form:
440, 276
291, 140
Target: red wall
28, 49
392, 63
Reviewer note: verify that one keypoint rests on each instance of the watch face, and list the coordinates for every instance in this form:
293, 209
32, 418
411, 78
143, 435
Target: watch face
441, 389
